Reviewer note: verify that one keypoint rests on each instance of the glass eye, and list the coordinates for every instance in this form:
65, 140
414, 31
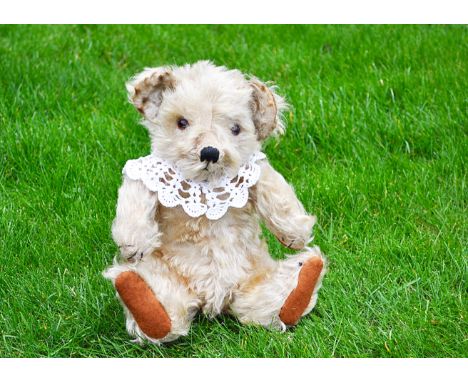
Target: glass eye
182, 123
235, 129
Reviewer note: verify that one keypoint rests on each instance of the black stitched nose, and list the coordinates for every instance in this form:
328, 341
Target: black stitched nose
209, 154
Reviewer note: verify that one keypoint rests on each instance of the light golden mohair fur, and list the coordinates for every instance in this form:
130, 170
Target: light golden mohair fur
196, 264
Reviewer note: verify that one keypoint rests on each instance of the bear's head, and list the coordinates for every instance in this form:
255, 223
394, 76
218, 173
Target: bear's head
205, 119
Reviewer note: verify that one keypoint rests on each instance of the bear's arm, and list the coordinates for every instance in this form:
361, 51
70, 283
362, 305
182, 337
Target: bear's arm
283, 213
135, 229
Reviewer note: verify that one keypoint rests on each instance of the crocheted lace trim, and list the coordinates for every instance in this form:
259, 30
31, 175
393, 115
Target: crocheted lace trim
196, 198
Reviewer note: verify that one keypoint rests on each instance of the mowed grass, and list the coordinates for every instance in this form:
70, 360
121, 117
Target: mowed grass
376, 147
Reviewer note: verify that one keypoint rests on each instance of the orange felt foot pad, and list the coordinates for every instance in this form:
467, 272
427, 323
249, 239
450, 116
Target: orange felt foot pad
147, 311
299, 298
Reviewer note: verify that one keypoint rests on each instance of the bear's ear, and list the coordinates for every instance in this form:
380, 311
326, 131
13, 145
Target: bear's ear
267, 108
146, 89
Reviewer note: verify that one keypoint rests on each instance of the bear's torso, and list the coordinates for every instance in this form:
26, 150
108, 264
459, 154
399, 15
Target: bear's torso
213, 256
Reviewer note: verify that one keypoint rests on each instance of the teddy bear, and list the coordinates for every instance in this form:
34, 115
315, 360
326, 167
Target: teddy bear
188, 217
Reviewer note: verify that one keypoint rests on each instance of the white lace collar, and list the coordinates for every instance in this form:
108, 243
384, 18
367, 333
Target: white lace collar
196, 198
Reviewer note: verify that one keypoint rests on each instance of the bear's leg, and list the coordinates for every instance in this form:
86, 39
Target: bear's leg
157, 303
279, 296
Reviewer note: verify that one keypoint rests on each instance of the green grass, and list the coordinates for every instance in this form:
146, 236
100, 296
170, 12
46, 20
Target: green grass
376, 147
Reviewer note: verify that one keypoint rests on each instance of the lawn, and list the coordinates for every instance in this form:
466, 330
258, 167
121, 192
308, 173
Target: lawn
376, 147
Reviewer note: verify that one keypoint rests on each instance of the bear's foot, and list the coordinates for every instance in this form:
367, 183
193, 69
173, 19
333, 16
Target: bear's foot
146, 309
299, 299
